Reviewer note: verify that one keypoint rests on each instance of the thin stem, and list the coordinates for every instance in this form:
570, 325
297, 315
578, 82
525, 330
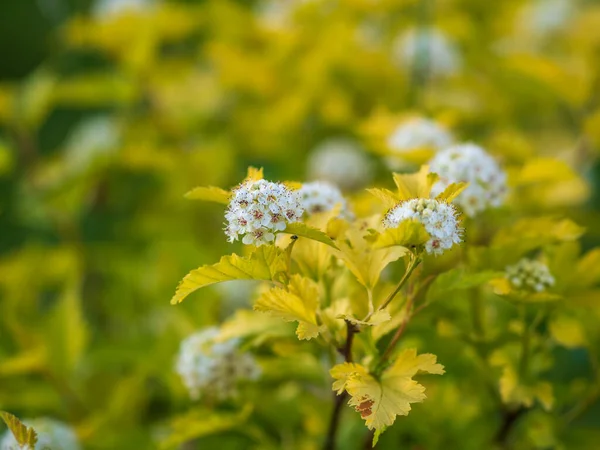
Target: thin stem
525, 344
339, 400
396, 338
477, 313
412, 265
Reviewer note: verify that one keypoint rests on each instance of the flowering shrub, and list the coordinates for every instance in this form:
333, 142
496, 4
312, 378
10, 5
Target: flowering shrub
387, 281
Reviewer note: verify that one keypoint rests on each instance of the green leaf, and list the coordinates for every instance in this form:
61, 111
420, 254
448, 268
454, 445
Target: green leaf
388, 198
452, 191
298, 303
303, 230
209, 194
25, 436
458, 279
567, 331
377, 318
376, 436
265, 263
380, 401
67, 331
201, 422
409, 233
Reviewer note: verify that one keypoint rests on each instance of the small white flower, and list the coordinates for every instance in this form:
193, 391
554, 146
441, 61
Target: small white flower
322, 196
414, 134
439, 219
530, 275
52, 434
340, 162
214, 368
260, 209
470, 163
428, 50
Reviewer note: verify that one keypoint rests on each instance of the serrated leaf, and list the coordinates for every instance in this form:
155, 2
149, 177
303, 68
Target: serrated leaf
415, 185
298, 303
209, 194
364, 261
388, 198
409, 233
25, 436
376, 436
380, 401
377, 318
303, 230
452, 191
254, 174
265, 263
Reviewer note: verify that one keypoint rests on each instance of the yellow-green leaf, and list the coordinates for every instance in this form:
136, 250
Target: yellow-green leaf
409, 233
201, 422
415, 185
298, 303
452, 191
209, 194
364, 261
377, 318
25, 436
303, 230
388, 198
265, 263
567, 331
254, 174
380, 401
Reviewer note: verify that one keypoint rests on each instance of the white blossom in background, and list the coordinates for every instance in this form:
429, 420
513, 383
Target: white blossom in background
547, 16
429, 50
341, 162
90, 140
260, 209
439, 219
470, 163
531, 275
322, 196
414, 134
214, 368
105, 9
51, 433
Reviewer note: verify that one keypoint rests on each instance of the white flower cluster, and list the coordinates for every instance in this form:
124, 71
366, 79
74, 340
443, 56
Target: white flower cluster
414, 134
214, 368
428, 49
438, 218
531, 275
470, 163
52, 434
259, 209
341, 162
322, 196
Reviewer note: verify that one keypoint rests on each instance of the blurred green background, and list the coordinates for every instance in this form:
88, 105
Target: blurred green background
111, 110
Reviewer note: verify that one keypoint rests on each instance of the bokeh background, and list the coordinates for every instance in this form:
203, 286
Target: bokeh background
111, 110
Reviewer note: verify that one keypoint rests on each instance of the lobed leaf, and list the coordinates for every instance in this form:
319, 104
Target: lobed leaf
265, 263
298, 303
415, 185
380, 401
388, 198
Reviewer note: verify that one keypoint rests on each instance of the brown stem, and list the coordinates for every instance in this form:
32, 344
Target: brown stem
509, 420
339, 400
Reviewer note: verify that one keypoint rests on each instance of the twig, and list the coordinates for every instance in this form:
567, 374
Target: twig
339, 400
